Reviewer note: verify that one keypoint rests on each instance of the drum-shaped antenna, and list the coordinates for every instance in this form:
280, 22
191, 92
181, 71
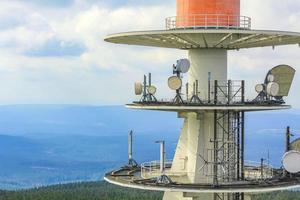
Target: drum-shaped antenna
273, 89
174, 83
259, 88
291, 161
138, 88
152, 90
183, 65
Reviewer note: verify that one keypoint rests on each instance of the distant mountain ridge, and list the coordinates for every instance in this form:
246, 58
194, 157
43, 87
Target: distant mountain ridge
81, 120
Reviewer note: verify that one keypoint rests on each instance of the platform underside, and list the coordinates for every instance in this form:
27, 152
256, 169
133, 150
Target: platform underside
205, 107
127, 177
206, 38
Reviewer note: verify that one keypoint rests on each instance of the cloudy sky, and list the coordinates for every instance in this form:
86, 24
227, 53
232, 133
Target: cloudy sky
52, 51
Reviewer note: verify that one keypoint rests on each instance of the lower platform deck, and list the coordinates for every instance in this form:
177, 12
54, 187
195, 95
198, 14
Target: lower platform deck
131, 178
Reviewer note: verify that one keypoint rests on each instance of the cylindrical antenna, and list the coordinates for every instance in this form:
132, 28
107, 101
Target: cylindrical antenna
174, 69
150, 79
262, 168
288, 139
149, 85
130, 145
197, 85
187, 91
144, 99
194, 88
162, 155
209, 82
145, 85
229, 91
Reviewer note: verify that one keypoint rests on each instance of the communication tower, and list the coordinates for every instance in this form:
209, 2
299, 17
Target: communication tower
209, 163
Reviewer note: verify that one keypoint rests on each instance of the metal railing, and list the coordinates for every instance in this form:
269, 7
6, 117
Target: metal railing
229, 92
206, 21
257, 171
152, 169
253, 171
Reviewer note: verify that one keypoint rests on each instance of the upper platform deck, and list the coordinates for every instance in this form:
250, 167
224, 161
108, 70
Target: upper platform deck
197, 38
191, 107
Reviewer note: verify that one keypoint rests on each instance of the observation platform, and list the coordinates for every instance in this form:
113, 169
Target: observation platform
146, 177
206, 37
190, 107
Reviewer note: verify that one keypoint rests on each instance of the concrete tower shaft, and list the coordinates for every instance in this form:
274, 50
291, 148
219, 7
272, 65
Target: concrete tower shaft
198, 130
206, 65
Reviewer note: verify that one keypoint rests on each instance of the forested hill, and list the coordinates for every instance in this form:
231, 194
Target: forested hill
104, 191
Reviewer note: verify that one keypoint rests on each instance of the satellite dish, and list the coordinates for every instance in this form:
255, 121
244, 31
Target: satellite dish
273, 89
291, 161
174, 83
183, 65
270, 78
138, 88
259, 88
152, 90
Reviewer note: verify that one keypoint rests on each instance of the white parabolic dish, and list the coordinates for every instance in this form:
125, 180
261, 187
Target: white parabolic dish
174, 83
183, 65
291, 161
273, 89
259, 88
152, 90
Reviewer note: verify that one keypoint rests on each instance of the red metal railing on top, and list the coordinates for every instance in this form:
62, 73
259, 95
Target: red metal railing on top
208, 21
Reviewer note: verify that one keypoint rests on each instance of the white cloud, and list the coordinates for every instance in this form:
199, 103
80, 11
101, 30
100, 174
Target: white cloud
103, 74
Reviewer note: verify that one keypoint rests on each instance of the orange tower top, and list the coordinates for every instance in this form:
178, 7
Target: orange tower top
208, 13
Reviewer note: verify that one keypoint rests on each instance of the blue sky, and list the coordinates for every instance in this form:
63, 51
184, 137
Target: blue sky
52, 51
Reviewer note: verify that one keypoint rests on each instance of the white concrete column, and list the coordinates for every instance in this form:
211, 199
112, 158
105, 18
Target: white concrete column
198, 129
204, 61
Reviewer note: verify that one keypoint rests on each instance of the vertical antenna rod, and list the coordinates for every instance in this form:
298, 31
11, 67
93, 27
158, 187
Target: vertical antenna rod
131, 162
149, 85
187, 91
288, 139
162, 155
262, 168
150, 79
209, 80
130, 146
144, 99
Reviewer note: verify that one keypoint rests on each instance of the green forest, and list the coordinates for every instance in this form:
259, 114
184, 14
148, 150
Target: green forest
105, 191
